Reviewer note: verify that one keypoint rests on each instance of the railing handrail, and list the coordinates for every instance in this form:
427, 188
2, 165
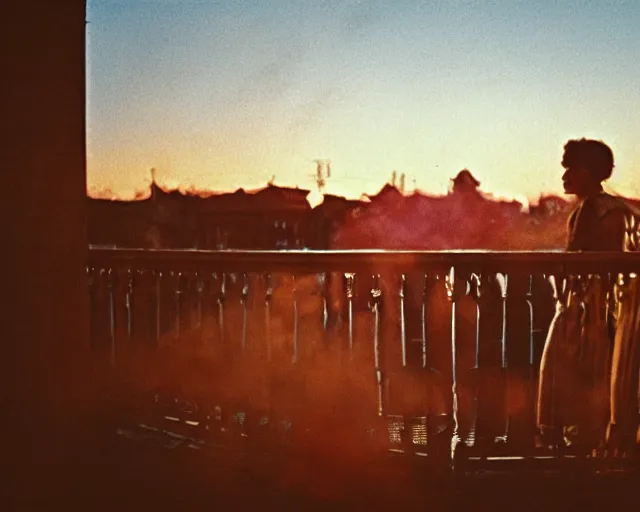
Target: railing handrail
313, 261
442, 371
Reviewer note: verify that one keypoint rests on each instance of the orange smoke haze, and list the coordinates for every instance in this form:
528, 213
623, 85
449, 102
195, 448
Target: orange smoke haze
329, 392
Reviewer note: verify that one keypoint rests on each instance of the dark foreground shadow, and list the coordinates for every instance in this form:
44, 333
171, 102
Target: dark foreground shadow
111, 473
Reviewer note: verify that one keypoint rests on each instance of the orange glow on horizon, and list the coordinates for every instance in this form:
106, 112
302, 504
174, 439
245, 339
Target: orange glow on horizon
125, 174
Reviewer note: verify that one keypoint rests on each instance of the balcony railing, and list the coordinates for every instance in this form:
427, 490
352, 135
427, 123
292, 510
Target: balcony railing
398, 351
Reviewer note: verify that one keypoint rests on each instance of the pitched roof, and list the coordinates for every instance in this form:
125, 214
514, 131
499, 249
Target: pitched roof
465, 178
269, 198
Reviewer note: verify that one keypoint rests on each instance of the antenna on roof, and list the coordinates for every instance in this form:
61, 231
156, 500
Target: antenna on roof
154, 183
323, 171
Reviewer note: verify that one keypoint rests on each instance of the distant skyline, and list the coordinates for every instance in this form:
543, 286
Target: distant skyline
219, 95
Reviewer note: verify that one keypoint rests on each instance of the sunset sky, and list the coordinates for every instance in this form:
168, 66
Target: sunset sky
226, 94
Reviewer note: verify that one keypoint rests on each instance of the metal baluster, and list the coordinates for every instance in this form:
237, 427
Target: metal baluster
91, 290
158, 282
403, 320
144, 297
484, 406
503, 341
177, 290
325, 302
129, 304
350, 290
451, 296
112, 282
452, 292
477, 284
531, 388
425, 294
503, 359
200, 292
244, 295
376, 298
531, 337
221, 299
199, 286
267, 305
294, 359
475, 292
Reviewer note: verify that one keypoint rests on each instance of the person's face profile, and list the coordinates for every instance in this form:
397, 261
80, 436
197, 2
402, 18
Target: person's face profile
575, 180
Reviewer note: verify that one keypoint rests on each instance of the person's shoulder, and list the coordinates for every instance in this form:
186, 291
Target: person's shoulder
603, 204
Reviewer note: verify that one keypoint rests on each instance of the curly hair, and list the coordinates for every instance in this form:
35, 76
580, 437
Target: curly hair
593, 155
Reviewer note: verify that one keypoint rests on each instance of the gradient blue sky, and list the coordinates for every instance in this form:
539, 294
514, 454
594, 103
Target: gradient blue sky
223, 94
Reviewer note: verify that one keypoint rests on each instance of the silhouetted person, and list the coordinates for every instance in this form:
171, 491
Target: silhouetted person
573, 388
598, 221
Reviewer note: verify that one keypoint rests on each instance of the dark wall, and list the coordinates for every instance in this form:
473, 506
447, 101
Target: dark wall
43, 284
